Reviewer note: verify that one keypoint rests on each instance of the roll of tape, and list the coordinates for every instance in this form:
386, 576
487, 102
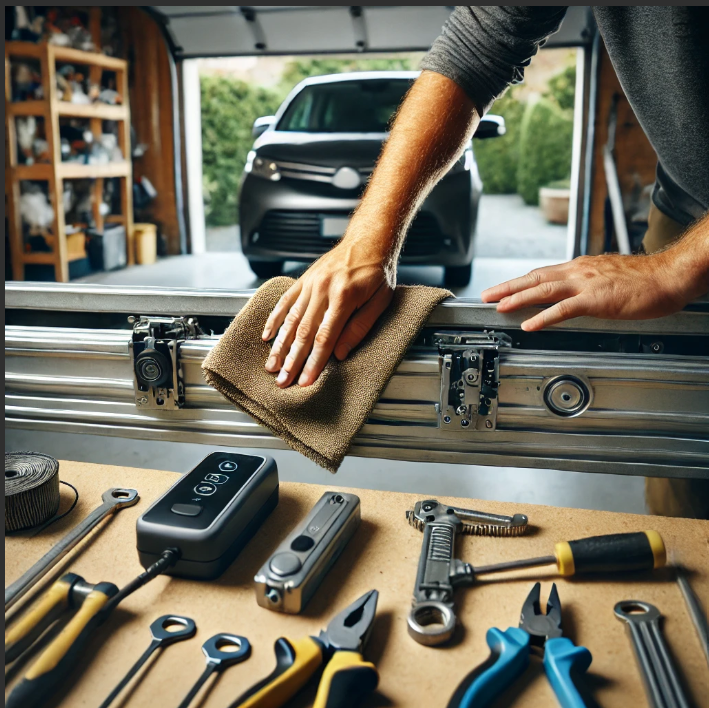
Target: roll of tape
31, 489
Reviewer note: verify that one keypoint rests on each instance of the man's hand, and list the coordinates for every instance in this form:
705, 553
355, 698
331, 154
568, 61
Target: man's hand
338, 300
330, 308
612, 286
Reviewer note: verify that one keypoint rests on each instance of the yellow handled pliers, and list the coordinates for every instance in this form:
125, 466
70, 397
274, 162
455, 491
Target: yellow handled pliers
347, 678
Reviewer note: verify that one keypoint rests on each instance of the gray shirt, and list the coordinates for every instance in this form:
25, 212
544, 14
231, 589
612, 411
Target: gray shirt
661, 57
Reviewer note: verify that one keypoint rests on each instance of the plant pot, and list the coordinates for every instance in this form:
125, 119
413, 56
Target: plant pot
555, 204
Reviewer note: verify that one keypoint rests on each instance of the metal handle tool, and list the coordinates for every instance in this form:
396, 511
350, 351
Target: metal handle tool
660, 677
162, 637
695, 610
113, 500
218, 660
432, 619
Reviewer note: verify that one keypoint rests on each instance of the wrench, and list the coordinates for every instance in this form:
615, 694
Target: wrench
161, 637
218, 660
662, 684
113, 500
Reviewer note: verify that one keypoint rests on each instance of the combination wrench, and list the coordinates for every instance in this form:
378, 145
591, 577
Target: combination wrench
660, 677
113, 500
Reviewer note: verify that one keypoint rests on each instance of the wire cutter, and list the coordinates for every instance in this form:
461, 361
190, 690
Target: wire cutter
347, 678
509, 657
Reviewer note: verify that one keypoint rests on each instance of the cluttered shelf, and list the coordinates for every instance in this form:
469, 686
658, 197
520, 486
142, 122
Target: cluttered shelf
77, 170
65, 54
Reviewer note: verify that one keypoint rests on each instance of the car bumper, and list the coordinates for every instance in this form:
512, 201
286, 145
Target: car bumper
281, 221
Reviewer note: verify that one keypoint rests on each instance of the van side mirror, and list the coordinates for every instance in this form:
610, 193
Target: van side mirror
491, 126
262, 124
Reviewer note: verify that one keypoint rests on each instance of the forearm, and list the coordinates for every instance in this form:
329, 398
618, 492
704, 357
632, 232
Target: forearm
688, 260
430, 132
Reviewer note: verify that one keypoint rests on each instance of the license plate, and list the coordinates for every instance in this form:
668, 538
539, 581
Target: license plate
333, 226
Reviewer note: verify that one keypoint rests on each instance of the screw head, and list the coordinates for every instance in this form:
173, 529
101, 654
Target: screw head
465, 422
273, 596
471, 377
446, 419
461, 410
488, 424
142, 401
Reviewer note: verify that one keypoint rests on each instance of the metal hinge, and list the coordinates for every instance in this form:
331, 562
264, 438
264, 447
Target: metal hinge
155, 352
469, 379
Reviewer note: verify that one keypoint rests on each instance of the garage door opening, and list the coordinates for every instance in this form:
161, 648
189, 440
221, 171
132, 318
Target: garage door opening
525, 174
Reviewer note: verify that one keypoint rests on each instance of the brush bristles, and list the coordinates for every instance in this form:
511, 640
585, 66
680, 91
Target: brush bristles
473, 529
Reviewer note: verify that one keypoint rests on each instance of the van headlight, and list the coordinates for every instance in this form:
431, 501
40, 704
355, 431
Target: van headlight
262, 167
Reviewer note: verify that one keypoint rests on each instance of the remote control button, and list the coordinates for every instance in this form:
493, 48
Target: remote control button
285, 564
205, 489
186, 509
302, 544
227, 466
216, 478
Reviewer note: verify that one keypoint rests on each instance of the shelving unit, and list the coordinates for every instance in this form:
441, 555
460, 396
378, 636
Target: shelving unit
51, 108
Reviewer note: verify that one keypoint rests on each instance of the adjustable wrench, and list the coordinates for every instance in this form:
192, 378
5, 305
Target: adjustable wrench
113, 500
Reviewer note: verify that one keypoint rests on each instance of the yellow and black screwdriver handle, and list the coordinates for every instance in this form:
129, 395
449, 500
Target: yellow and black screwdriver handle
30, 626
53, 665
347, 677
620, 552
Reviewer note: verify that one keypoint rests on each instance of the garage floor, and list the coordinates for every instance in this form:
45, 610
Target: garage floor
512, 239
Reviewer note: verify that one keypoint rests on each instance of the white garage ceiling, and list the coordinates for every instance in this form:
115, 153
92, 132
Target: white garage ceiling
215, 30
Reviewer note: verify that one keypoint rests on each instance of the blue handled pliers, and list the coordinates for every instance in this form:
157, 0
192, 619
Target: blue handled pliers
509, 657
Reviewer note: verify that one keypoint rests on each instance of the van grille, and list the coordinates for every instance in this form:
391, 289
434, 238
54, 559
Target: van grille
298, 232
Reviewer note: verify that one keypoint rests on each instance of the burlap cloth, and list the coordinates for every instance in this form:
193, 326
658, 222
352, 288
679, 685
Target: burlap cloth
321, 420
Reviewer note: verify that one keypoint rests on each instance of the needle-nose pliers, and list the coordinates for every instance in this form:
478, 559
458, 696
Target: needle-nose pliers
509, 657
347, 678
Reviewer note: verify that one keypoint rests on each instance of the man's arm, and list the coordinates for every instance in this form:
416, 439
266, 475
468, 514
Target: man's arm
613, 286
337, 301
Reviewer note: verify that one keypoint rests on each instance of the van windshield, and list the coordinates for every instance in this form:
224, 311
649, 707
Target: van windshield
356, 106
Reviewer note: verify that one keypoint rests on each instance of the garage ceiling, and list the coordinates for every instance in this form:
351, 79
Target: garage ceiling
216, 30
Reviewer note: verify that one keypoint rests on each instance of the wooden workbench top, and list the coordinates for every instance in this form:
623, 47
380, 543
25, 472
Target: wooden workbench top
383, 554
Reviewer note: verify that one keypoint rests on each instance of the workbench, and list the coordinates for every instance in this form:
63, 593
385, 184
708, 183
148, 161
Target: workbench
383, 554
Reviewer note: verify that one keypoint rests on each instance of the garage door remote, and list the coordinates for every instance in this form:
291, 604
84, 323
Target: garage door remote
209, 514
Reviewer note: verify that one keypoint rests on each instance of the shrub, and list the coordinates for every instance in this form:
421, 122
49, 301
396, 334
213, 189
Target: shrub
562, 88
544, 148
497, 158
229, 109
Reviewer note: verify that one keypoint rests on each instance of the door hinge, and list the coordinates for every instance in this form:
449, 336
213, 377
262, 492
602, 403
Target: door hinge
155, 353
470, 378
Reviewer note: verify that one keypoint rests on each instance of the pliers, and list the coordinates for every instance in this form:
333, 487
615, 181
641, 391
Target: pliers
347, 678
509, 657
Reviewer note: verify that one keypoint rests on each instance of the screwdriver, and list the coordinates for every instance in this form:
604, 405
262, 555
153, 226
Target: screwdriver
612, 553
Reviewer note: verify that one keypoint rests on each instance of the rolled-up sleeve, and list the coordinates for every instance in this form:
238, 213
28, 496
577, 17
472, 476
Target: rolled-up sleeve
485, 49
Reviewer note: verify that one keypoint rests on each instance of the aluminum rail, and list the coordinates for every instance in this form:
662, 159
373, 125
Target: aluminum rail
456, 312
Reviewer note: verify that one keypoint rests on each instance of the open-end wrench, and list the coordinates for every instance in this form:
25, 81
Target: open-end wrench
662, 683
161, 637
113, 500
218, 660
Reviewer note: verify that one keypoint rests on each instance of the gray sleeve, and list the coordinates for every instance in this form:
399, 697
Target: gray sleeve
485, 49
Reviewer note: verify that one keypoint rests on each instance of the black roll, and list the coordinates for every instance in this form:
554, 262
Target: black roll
31, 489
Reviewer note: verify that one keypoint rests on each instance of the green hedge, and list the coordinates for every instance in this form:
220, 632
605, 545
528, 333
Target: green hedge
498, 158
544, 148
229, 109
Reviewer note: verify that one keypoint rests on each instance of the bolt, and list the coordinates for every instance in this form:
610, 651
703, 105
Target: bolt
461, 395
142, 401
657, 347
131, 319
488, 424
461, 410
471, 377
465, 422
447, 419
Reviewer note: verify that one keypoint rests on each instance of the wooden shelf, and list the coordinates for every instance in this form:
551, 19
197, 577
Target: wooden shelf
40, 171
102, 111
52, 109
75, 170
24, 49
76, 56
28, 108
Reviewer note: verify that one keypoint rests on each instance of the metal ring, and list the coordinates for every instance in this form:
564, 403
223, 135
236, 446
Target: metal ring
226, 658
567, 396
159, 630
431, 623
649, 612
